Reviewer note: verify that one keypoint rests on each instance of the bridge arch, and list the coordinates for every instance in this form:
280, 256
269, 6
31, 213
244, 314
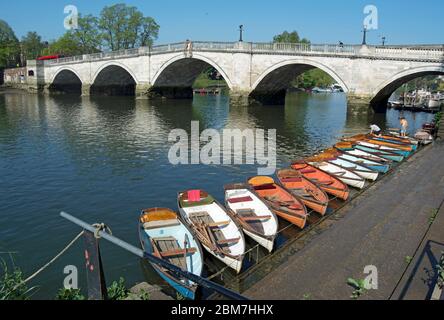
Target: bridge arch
271, 86
66, 80
196, 57
176, 76
114, 78
383, 92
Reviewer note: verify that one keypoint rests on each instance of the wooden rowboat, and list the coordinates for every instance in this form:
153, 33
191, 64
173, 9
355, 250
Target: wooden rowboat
256, 219
332, 156
304, 189
374, 150
218, 233
324, 180
282, 202
406, 149
165, 236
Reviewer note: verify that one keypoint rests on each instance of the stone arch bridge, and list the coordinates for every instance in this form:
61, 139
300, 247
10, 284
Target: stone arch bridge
259, 71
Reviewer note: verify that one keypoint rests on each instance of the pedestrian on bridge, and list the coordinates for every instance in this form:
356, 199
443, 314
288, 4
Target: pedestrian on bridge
188, 49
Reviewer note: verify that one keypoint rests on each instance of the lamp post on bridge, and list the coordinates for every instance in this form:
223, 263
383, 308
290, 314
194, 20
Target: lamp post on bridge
241, 29
364, 40
383, 41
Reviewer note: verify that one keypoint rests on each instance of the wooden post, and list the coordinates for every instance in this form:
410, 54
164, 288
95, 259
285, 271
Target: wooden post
94, 271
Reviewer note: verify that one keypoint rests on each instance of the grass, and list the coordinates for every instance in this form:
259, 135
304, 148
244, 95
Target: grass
440, 271
433, 214
358, 286
12, 286
408, 259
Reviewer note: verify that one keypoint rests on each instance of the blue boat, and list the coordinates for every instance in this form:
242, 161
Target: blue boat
373, 165
378, 147
382, 153
165, 236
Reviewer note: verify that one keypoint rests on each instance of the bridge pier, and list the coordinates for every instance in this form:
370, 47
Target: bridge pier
143, 91
239, 97
86, 90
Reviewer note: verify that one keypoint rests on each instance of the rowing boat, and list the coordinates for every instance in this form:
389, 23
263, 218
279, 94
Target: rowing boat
165, 236
345, 175
367, 155
404, 150
256, 219
360, 170
363, 164
218, 233
282, 202
304, 189
324, 180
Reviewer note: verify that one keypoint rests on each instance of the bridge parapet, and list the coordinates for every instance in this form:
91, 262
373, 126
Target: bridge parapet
425, 52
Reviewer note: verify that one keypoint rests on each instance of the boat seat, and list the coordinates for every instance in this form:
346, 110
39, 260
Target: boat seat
269, 186
161, 224
240, 199
177, 252
228, 241
291, 179
308, 171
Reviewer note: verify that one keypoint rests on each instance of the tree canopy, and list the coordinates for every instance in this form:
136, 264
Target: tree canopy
289, 37
117, 27
125, 27
9, 46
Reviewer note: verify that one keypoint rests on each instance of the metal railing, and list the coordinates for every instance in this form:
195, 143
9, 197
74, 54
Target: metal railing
427, 52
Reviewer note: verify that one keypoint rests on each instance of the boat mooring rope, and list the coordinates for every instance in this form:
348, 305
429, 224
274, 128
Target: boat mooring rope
69, 245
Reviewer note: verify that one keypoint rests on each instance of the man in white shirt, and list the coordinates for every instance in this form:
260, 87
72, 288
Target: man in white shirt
374, 129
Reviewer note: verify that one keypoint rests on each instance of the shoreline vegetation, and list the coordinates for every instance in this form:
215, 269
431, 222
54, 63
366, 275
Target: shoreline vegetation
14, 287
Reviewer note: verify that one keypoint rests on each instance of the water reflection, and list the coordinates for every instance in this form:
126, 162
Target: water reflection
105, 158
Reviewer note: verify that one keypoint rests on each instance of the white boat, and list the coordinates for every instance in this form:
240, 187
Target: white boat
218, 233
360, 170
346, 176
252, 214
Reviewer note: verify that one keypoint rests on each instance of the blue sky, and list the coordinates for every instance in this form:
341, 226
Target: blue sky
321, 21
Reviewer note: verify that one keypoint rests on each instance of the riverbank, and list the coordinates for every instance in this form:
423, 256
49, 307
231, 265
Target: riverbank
382, 227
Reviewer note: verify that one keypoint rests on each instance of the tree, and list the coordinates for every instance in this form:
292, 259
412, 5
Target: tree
87, 35
65, 45
289, 37
32, 46
125, 27
9, 46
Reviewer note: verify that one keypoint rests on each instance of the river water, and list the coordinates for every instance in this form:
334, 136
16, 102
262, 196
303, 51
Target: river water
103, 159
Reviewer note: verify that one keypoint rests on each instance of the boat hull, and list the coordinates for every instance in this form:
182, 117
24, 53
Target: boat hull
387, 155
345, 175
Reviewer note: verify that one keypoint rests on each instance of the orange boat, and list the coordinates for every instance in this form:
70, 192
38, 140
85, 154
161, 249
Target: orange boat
367, 138
282, 202
307, 191
324, 180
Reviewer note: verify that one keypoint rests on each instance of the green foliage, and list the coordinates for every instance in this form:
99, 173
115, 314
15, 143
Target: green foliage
87, 36
69, 294
118, 290
289, 37
32, 46
358, 285
125, 27
431, 83
313, 78
9, 47
438, 117
440, 271
12, 286
433, 215
144, 295
408, 259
